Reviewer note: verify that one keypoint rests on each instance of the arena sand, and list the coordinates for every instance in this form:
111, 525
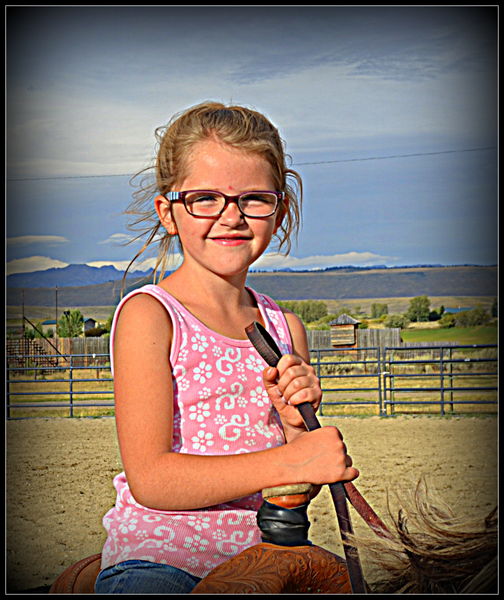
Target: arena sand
59, 482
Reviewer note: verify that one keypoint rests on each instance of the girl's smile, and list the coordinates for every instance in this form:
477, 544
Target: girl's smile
230, 240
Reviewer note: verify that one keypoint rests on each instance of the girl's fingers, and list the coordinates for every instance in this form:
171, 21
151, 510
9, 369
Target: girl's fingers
270, 375
305, 388
291, 383
351, 473
302, 389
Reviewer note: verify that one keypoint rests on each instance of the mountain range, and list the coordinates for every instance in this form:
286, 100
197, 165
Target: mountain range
81, 285
72, 275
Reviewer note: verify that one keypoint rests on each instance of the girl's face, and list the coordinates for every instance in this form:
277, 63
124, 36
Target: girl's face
230, 243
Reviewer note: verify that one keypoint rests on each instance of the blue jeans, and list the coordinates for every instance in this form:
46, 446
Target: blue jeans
143, 577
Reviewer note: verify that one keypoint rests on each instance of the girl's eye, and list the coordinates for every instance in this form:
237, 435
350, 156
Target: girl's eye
203, 199
269, 199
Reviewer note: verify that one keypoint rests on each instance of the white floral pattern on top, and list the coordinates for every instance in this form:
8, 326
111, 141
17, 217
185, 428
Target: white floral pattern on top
220, 407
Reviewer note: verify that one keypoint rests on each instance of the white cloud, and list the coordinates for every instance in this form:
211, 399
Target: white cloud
269, 261
144, 265
33, 263
278, 261
117, 238
24, 240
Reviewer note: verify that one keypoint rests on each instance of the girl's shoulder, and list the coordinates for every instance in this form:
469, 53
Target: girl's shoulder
149, 295
142, 320
145, 309
141, 300
141, 309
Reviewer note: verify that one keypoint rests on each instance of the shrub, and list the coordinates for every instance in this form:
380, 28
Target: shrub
95, 331
447, 320
394, 321
471, 318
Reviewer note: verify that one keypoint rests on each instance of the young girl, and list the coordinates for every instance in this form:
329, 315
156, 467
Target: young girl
203, 423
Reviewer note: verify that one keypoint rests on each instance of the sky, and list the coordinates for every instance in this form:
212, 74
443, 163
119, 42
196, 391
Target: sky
388, 113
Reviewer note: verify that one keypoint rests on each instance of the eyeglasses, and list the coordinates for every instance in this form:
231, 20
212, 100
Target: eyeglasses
206, 203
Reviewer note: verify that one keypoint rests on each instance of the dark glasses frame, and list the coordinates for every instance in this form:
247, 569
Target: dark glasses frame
181, 197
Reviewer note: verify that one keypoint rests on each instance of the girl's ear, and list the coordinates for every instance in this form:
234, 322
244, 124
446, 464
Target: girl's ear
163, 210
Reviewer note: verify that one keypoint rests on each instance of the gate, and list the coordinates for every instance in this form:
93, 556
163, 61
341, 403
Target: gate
439, 369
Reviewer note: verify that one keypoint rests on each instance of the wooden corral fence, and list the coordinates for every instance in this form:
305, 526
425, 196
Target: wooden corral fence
40, 352
372, 338
366, 338
89, 349
22, 352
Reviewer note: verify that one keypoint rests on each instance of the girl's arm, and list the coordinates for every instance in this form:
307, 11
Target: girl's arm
165, 480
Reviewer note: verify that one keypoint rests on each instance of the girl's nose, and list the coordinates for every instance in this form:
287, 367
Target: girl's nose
231, 214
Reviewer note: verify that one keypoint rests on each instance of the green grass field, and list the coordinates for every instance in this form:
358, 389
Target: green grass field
400, 305
460, 335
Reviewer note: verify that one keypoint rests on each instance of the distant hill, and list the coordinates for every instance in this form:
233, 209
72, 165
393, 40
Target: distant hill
379, 283
70, 276
387, 282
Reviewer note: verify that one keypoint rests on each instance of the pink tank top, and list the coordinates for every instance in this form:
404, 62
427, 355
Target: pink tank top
220, 407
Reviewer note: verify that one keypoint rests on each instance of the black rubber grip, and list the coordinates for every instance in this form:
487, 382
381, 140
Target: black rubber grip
283, 526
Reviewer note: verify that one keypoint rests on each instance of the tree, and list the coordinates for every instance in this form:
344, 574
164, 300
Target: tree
70, 324
37, 332
378, 310
29, 333
108, 324
494, 310
419, 309
307, 310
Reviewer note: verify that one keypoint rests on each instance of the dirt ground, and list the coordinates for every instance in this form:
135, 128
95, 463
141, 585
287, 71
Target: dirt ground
59, 482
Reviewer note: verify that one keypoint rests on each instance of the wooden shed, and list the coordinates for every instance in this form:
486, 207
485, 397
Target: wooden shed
89, 323
344, 331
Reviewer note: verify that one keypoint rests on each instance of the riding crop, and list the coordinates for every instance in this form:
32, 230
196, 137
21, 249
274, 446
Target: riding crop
269, 351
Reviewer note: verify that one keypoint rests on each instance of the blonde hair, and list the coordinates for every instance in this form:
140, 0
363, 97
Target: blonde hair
237, 126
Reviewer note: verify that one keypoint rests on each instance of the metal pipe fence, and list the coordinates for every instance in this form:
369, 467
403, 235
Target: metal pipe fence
386, 380
369, 376
30, 379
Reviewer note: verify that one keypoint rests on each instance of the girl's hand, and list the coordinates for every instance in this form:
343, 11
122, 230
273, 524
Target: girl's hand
319, 456
290, 383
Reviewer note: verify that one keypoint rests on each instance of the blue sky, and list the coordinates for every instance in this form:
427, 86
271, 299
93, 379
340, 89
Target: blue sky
388, 113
